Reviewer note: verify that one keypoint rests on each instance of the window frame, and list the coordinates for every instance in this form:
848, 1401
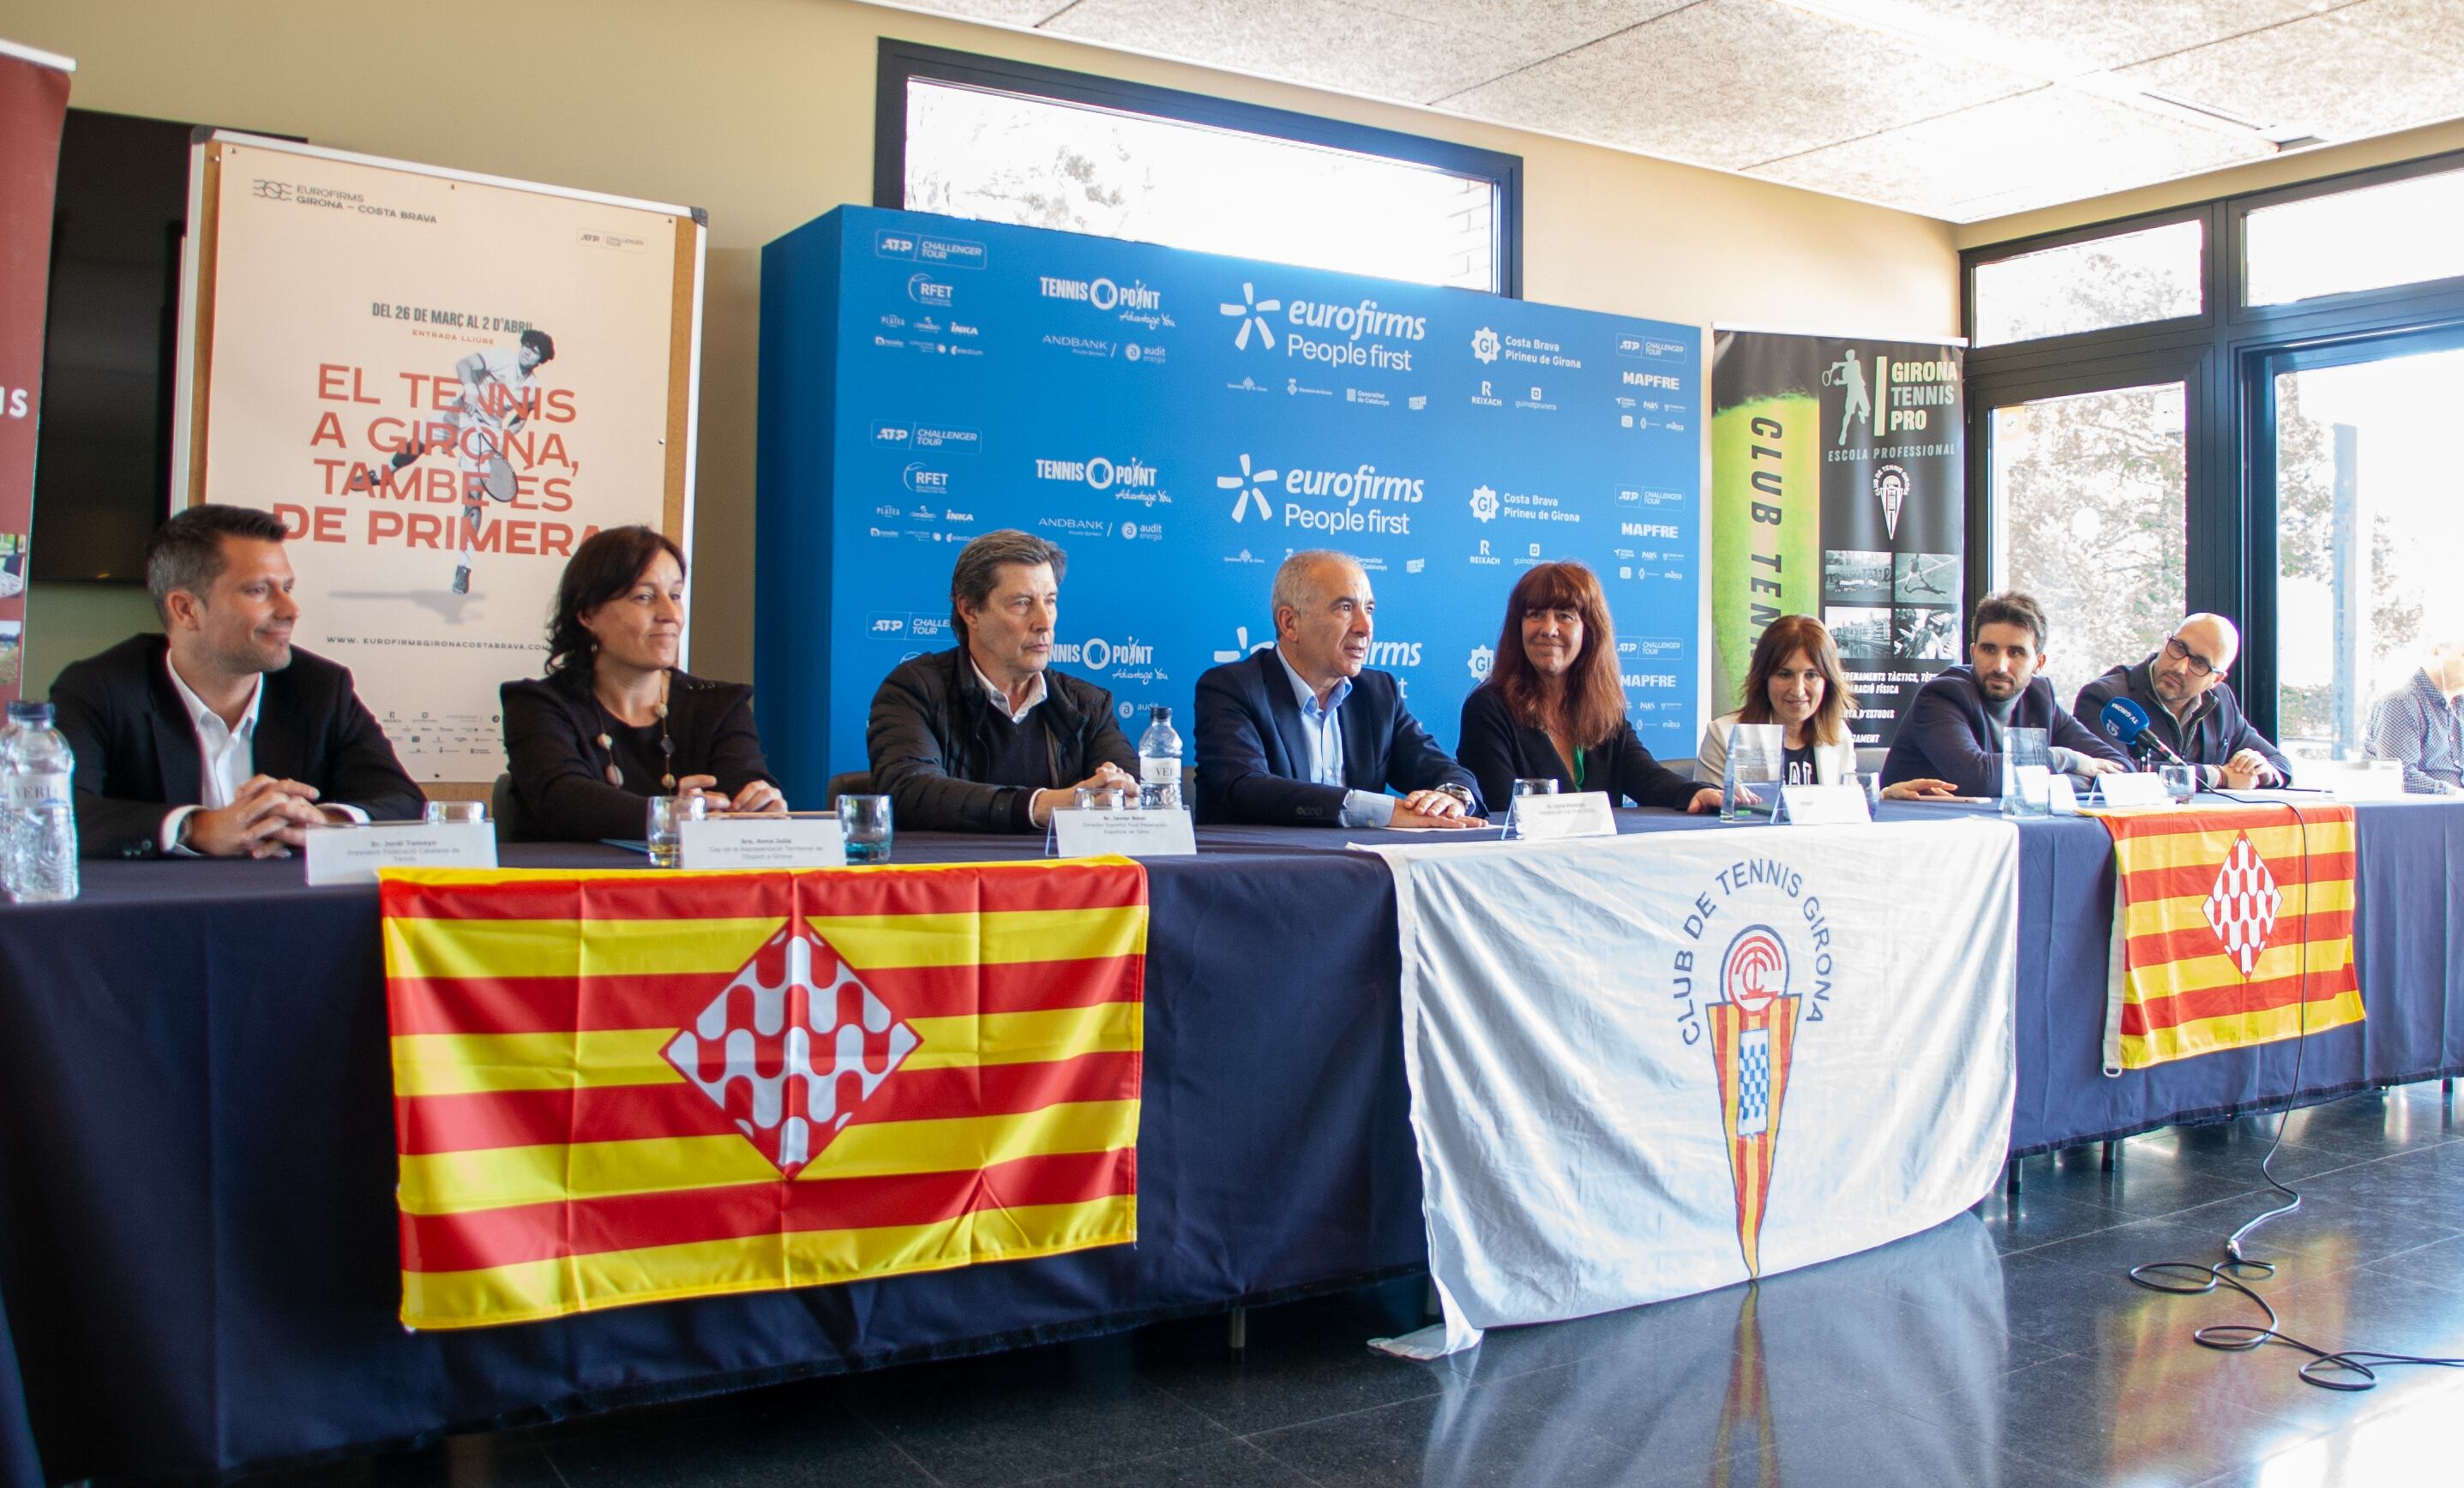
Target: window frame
900, 61
2230, 354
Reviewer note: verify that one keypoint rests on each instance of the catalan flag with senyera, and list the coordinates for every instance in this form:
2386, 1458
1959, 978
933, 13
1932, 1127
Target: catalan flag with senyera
2234, 926
620, 1086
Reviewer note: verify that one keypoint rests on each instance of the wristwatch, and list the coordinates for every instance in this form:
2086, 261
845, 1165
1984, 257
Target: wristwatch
1458, 793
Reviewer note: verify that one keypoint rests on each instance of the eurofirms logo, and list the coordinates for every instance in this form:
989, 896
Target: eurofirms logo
1325, 500
1099, 472
1339, 335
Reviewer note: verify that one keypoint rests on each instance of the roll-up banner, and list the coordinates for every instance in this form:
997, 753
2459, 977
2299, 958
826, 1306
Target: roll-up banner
1838, 490
442, 383
33, 101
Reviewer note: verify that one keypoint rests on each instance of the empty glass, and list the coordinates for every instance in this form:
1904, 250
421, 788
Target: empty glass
667, 815
2027, 773
2180, 781
1547, 786
1100, 798
453, 813
1757, 755
864, 821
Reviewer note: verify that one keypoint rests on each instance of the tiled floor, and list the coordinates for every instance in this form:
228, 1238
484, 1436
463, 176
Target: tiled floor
2005, 1347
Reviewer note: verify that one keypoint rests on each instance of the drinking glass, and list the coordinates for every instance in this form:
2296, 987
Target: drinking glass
1546, 786
1100, 798
1757, 755
2027, 773
453, 813
2180, 781
667, 815
864, 821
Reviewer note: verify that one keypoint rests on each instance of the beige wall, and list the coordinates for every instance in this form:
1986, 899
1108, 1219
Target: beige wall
762, 112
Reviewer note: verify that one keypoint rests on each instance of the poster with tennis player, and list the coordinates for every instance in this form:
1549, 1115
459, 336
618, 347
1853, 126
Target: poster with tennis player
441, 382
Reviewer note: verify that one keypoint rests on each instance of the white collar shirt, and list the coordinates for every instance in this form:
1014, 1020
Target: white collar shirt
999, 696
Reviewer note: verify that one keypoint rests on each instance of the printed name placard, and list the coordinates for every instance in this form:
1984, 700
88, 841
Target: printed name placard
1823, 805
1132, 834
353, 854
2062, 796
761, 842
2133, 790
1544, 818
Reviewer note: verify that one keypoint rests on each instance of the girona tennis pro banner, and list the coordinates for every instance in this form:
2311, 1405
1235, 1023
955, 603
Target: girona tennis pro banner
33, 101
1838, 468
442, 383
1643, 1068
2233, 927
616, 1087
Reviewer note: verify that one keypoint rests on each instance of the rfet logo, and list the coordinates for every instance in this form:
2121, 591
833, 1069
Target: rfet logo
1755, 964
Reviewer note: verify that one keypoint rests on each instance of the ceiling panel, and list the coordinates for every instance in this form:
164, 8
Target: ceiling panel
2339, 81
1006, 13
2434, 27
1339, 44
2066, 35
2054, 145
1733, 84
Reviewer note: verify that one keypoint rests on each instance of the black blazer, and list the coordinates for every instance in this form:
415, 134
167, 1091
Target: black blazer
930, 743
561, 788
1253, 757
1944, 733
1499, 750
137, 751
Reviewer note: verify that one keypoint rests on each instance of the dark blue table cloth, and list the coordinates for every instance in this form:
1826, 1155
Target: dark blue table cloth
197, 1238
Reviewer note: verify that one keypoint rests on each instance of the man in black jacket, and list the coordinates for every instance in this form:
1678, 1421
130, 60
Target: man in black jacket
1303, 734
219, 738
2200, 720
987, 737
1956, 726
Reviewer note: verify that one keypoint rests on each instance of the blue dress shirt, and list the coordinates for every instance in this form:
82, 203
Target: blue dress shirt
1323, 727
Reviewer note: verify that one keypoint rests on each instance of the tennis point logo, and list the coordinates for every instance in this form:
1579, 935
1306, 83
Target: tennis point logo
1326, 500
1098, 654
827, 1042
1104, 294
1099, 472
1351, 336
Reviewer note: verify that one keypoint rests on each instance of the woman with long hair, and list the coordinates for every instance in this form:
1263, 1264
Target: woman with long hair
615, 721
1795, 681
1554, 707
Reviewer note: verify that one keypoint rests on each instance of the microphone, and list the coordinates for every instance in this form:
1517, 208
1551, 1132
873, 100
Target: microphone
2125, 723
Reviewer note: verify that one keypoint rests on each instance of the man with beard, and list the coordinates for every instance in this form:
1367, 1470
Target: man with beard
2188, 710
1956, 724
219, 738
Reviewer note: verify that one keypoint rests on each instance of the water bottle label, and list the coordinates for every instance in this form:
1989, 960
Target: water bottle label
27, 791
1160, 770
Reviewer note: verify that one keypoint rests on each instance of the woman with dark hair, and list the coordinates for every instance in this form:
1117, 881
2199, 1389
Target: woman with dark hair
1795, 681
615, 722
1552, 704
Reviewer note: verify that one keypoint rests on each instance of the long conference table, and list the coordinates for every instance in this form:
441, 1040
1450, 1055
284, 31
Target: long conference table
198, 1247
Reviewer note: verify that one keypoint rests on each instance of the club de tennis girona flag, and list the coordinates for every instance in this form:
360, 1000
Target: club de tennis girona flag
2234, 928
619, 1087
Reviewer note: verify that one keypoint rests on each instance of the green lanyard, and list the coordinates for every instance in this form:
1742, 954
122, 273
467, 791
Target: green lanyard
1578, 769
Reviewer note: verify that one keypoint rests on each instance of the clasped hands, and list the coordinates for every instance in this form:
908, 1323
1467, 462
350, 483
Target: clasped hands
267, 818
757, 797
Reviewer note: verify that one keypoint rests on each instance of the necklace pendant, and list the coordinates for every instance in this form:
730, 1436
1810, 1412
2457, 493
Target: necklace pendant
666, 782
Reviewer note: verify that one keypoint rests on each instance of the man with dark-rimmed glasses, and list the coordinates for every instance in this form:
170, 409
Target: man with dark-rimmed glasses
2180, 685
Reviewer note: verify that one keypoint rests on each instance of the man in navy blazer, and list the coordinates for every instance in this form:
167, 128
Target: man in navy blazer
1955, 725
1300, 735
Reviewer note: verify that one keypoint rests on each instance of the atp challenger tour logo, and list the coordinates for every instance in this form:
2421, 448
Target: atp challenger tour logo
1754, 964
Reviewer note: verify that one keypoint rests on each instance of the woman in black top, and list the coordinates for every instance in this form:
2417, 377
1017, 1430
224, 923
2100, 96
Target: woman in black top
1553, 706
615, 722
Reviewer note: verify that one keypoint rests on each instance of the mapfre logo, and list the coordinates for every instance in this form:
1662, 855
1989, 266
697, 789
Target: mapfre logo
1099, 472
1103, 294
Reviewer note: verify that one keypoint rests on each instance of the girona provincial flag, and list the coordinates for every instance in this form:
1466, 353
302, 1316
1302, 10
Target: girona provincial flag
620, 1087
2235, 927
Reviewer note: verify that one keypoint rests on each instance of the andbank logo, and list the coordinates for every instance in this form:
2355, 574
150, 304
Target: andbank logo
1252, 314
1248, 483
1099, 472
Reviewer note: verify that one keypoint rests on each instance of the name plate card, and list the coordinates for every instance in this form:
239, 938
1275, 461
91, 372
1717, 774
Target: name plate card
1823, 805
2133, 790
2062, 796
1546, 819
752, 842
1131, 834
353, 854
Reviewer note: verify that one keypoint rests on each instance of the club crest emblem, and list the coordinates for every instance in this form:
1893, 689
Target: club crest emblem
1753, 1031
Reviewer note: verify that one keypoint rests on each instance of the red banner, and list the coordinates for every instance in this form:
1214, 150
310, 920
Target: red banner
34, 99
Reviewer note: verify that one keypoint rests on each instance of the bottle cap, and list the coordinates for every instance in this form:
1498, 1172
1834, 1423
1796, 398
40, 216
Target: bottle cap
1159, 712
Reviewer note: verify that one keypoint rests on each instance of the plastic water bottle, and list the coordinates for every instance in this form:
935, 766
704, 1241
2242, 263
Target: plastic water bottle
1160, 762
37, 769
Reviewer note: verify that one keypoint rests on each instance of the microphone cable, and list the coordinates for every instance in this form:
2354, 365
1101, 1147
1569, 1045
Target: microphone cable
2347, 1370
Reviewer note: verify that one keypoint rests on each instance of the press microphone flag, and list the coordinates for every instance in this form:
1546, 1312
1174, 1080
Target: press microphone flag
2125, 723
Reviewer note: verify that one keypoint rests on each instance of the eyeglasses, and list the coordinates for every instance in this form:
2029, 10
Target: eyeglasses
2200, 666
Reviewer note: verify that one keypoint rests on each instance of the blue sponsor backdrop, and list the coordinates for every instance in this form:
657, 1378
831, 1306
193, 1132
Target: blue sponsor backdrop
1180, 422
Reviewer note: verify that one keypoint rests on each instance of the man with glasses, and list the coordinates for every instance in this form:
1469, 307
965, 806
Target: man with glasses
2188, 709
